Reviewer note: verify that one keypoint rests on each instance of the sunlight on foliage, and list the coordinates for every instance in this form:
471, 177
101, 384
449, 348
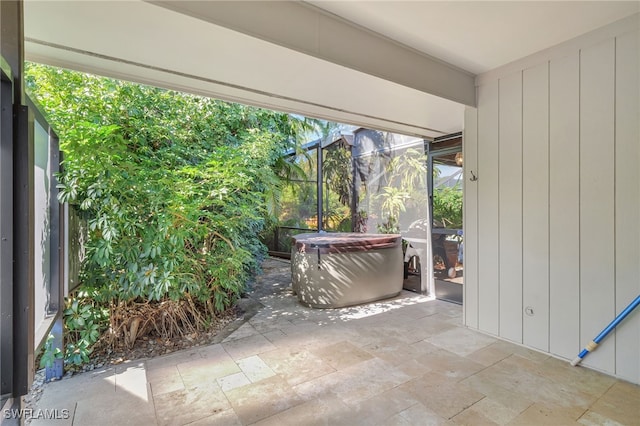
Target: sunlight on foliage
175, 189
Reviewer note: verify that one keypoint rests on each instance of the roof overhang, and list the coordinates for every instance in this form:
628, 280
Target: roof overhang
371, 63
147, 43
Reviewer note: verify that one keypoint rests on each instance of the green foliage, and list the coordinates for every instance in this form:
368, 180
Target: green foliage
406, 178
338, 176
49, 354
175, 189
337, 171
447, 207
298, 207
84, 322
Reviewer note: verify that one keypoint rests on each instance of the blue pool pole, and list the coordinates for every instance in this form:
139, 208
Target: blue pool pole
592, 345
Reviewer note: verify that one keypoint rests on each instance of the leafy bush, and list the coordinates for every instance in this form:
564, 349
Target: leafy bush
405, 177
84, 321
175, 189
447, 207
49, 353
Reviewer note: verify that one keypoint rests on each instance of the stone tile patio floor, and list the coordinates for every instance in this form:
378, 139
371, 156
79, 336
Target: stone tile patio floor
403, 361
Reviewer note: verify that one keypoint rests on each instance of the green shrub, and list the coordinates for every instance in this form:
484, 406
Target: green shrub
175, 189
447, 207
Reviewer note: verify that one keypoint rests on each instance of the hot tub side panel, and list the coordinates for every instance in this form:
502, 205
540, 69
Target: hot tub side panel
336, 280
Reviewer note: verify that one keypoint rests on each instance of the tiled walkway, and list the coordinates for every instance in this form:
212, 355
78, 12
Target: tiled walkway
405, 361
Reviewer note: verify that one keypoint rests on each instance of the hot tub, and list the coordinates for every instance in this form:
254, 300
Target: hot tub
333, 270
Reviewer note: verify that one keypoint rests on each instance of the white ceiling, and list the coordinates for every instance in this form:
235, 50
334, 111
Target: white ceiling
479, 36
182, 50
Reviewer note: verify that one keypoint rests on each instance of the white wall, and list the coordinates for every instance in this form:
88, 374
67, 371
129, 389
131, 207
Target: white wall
552, 223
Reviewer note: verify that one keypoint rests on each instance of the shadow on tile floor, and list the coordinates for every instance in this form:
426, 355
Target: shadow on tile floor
402, 361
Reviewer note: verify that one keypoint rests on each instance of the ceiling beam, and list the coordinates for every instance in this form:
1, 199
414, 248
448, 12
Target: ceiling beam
158, 46
312, 31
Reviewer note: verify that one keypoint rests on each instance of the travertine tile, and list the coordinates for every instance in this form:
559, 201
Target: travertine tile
329, 411
369, 378
417, 414
323, 336
420, 310
296, 365
355, 383
305, 327
95, 384
248, 346
232, 381
64, 395
61, 414
450, 364
223, 418
280, 339
591, 418
369, 335
206, 370
188, 405
323, 386
414, 368
461, 341
393, 351
403, 361
426, 327
447, 308
442, 395
212, 352
268, 325
120, 408
263, 399
255, 368
173, 358
580, 379
512, 400
424, 347
341, 355
164, 379
132, 379
620, 403
540, 415
381, 407
471, 417
245, 330
489, 355
521, 351
491, 410
275, 336
409, 334
516, 374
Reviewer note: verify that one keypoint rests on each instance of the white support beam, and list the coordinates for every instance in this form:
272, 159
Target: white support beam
304, 28
141, 42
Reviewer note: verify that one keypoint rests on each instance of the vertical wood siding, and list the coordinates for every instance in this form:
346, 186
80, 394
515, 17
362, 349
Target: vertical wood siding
535, 207
510, 191
552, 224
627, 207
597, 238
488, 286
470, 205
564, 206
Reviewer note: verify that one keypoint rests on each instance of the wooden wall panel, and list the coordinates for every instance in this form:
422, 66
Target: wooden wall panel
488, 288
597, 231
627, 203
535, 205
510, 205
564, 206
470, 146
580, 202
